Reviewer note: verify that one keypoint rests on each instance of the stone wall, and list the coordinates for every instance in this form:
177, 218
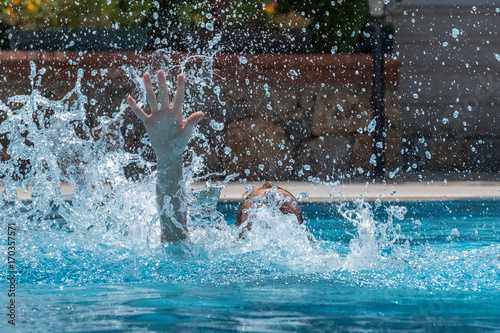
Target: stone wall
298, 132
276, 117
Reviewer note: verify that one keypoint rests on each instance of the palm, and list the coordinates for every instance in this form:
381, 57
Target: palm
168, 132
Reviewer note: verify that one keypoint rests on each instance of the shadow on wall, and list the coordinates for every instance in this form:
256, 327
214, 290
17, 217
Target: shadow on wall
450, 84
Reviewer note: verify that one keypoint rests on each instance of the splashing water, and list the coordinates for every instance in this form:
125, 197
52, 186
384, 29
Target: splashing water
107, 230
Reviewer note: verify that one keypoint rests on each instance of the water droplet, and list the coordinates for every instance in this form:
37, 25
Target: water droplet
243, 60
455, 232
455, 114
314, 179
393, 173
307, 167
216, 126
361, 171
455, 32
445, 121
428, 154
415, 95
227, 150
302, 196
210, 26
261, 167
372, 125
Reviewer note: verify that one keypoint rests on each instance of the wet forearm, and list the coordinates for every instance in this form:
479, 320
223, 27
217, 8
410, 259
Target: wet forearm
169, 134
169, 200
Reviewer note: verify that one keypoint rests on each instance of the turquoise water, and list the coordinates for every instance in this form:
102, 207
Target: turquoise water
378, 266
93, 261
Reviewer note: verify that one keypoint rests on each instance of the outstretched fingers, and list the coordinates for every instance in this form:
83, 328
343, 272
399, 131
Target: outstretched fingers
163, 91
153, 104
179, 94
177, 119
136, 109
194, 119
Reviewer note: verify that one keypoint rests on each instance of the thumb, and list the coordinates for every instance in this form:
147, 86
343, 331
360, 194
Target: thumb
194, 119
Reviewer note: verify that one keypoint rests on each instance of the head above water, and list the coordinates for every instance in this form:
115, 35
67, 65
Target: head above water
286, 206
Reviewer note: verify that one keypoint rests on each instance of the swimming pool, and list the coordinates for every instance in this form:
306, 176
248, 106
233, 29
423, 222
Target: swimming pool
391, 266
93, 261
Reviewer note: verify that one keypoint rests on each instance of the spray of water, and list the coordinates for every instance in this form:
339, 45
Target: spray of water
108, 228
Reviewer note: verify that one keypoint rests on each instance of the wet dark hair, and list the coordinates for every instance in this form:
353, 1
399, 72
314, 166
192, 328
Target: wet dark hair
297, 211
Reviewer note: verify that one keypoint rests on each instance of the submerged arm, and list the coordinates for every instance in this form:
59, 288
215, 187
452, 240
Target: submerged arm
169, 134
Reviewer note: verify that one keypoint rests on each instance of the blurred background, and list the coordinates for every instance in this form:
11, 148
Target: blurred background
289, 94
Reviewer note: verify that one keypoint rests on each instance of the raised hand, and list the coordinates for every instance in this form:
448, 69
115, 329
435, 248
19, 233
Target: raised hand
168, 132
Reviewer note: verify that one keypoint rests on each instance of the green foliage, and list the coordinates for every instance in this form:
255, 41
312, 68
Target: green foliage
335, 24
224, 14
249, 14
104, 14
34, 14
43, 14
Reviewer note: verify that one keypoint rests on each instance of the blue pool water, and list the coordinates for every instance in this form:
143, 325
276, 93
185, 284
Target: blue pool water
414, 266
93, 261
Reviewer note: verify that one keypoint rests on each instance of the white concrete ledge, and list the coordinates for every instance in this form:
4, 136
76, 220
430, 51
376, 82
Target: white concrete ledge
407, 191
424, 191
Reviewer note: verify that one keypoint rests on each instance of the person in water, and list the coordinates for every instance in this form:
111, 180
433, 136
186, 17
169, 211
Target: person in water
169, 134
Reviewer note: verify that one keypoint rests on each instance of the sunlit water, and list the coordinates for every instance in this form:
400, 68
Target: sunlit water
437, 268
92, 261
